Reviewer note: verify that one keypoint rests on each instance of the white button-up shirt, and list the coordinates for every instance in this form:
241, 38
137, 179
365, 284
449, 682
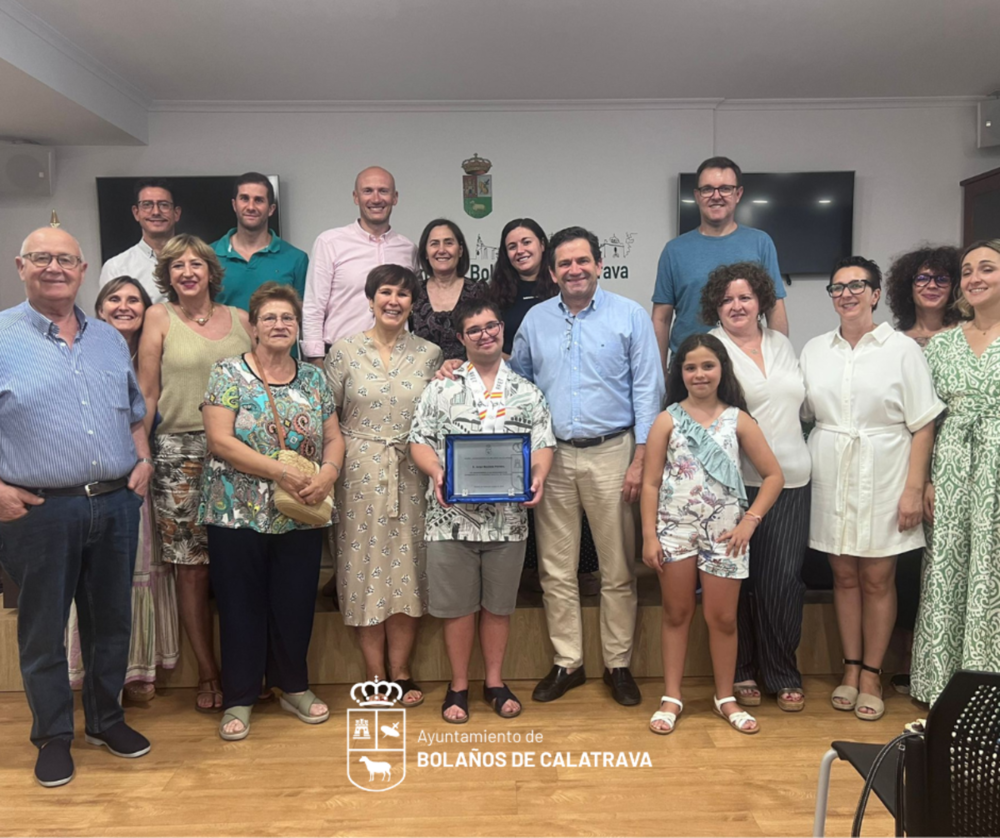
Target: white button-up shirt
137, 262
867, 402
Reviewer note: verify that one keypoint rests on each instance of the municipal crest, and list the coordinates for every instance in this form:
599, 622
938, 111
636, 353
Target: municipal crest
376, 736
477, 186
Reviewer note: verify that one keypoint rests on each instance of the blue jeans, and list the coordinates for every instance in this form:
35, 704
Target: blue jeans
66, 548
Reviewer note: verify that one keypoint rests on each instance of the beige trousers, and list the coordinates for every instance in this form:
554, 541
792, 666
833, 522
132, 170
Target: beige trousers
588, 480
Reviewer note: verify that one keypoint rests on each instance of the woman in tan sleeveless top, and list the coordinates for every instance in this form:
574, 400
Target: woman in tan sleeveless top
181, 341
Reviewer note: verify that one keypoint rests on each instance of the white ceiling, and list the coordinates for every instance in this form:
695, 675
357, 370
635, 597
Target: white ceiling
393, 50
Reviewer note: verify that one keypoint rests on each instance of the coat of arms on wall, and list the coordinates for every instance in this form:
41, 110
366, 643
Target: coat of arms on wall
477, 186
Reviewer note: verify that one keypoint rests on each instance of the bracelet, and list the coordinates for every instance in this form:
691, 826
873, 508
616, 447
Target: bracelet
145, 460
754, 515
329, 463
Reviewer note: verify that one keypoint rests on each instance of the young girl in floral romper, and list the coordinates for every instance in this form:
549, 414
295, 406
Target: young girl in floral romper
693, 521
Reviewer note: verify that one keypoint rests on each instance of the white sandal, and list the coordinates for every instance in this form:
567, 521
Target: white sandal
736, 720
665, 716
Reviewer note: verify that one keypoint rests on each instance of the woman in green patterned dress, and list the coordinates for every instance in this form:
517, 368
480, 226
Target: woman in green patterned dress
958, 624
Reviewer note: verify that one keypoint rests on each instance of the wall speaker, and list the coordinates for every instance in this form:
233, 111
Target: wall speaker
988, 127
26, 169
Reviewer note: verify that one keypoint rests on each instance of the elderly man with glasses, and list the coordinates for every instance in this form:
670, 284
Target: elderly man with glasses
157, 215
74, 466
687, 260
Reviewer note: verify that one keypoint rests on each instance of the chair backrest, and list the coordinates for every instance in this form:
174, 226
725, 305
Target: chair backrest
963, 757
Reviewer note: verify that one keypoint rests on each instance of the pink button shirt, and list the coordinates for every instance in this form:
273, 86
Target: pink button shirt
335, 305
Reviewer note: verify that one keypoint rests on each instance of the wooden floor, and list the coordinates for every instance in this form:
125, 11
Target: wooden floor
288, 778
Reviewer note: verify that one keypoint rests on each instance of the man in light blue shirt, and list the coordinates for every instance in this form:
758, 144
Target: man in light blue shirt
74, 465
687, 260
594, 356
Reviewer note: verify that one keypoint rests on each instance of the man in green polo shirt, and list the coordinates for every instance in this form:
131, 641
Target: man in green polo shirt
251, 253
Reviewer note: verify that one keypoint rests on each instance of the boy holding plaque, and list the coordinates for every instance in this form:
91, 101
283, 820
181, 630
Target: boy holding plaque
475, 548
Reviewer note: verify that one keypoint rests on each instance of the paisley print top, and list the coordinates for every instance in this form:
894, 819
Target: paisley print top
232, 498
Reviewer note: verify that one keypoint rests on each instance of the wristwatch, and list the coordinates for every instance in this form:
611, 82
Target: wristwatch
145, 460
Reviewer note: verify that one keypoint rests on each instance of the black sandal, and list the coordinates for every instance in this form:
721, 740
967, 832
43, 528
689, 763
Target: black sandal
409, 685
497, 697
459, 699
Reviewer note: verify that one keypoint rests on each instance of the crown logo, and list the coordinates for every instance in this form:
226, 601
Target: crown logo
365, 693
476, 165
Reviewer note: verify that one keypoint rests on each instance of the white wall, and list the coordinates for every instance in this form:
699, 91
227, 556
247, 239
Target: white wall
613, 170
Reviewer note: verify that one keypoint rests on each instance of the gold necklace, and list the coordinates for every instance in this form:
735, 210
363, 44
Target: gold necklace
201, 321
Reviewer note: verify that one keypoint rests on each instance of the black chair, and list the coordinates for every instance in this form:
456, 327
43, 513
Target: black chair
950, 775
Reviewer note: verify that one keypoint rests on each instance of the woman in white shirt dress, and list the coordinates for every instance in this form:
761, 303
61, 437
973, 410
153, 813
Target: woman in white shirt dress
738, 297
870, 391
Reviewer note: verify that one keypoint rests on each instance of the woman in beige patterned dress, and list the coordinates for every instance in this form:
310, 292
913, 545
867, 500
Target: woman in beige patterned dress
376, 378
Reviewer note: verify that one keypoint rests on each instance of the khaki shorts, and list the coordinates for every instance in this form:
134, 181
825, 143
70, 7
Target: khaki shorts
176, 490
464, 576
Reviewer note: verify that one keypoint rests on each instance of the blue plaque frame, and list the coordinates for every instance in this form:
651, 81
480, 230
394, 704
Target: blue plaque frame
449, 468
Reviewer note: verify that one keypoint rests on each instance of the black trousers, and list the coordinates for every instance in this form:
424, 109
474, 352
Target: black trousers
769, 622
265, 588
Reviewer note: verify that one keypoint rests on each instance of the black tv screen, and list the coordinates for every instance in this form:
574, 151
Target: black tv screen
206, 204
809, 215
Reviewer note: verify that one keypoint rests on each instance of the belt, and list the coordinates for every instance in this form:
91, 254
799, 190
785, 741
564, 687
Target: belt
90, 490
590, 442
395, 451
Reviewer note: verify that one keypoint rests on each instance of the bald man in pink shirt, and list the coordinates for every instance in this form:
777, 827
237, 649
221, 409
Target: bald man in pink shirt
335, 305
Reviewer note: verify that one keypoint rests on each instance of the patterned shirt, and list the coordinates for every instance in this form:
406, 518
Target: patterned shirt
237, 500
65, 411
449, 407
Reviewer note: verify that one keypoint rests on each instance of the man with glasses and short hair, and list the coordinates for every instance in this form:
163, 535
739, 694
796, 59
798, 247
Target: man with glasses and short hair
74, 465
157, 215
475, 551
686, 261
251, 252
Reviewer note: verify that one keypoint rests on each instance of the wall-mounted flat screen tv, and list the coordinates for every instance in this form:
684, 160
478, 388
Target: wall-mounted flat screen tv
206, 209
810, 215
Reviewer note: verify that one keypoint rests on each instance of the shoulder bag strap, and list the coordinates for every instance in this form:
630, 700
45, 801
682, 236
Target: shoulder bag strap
274, 410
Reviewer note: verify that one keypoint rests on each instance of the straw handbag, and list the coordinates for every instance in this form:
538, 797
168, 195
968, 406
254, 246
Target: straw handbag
317, 514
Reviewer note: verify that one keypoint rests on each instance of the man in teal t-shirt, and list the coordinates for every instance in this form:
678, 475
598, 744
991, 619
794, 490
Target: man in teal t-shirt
251, 253
687, 260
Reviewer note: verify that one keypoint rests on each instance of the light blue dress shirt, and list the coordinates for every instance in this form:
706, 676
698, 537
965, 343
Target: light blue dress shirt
65, 412
599, 370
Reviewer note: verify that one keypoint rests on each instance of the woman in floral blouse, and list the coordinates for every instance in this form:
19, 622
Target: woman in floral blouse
265, 566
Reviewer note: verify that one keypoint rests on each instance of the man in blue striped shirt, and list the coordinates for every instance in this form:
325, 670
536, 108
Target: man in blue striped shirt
74, 465
594, 356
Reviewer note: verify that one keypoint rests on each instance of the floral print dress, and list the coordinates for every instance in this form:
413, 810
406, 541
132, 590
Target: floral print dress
958, 622
381, 557
696, 508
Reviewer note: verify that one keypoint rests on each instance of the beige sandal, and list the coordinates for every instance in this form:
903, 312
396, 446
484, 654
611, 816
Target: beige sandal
788, 705
747, 694
737, 720
870, 701
847, 693
666, 716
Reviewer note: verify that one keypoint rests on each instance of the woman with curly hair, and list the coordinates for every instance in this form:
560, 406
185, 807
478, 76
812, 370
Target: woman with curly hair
738, 297
182, 338
921, 288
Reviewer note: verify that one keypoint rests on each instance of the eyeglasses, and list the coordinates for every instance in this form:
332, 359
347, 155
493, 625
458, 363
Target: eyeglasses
272, 319
725, 190
855, 286
41, 260
476, 333
162, 206
941, 281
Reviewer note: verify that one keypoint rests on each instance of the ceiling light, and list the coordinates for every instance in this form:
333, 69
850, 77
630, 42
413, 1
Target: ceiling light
760, 200
687, 200
825, 201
